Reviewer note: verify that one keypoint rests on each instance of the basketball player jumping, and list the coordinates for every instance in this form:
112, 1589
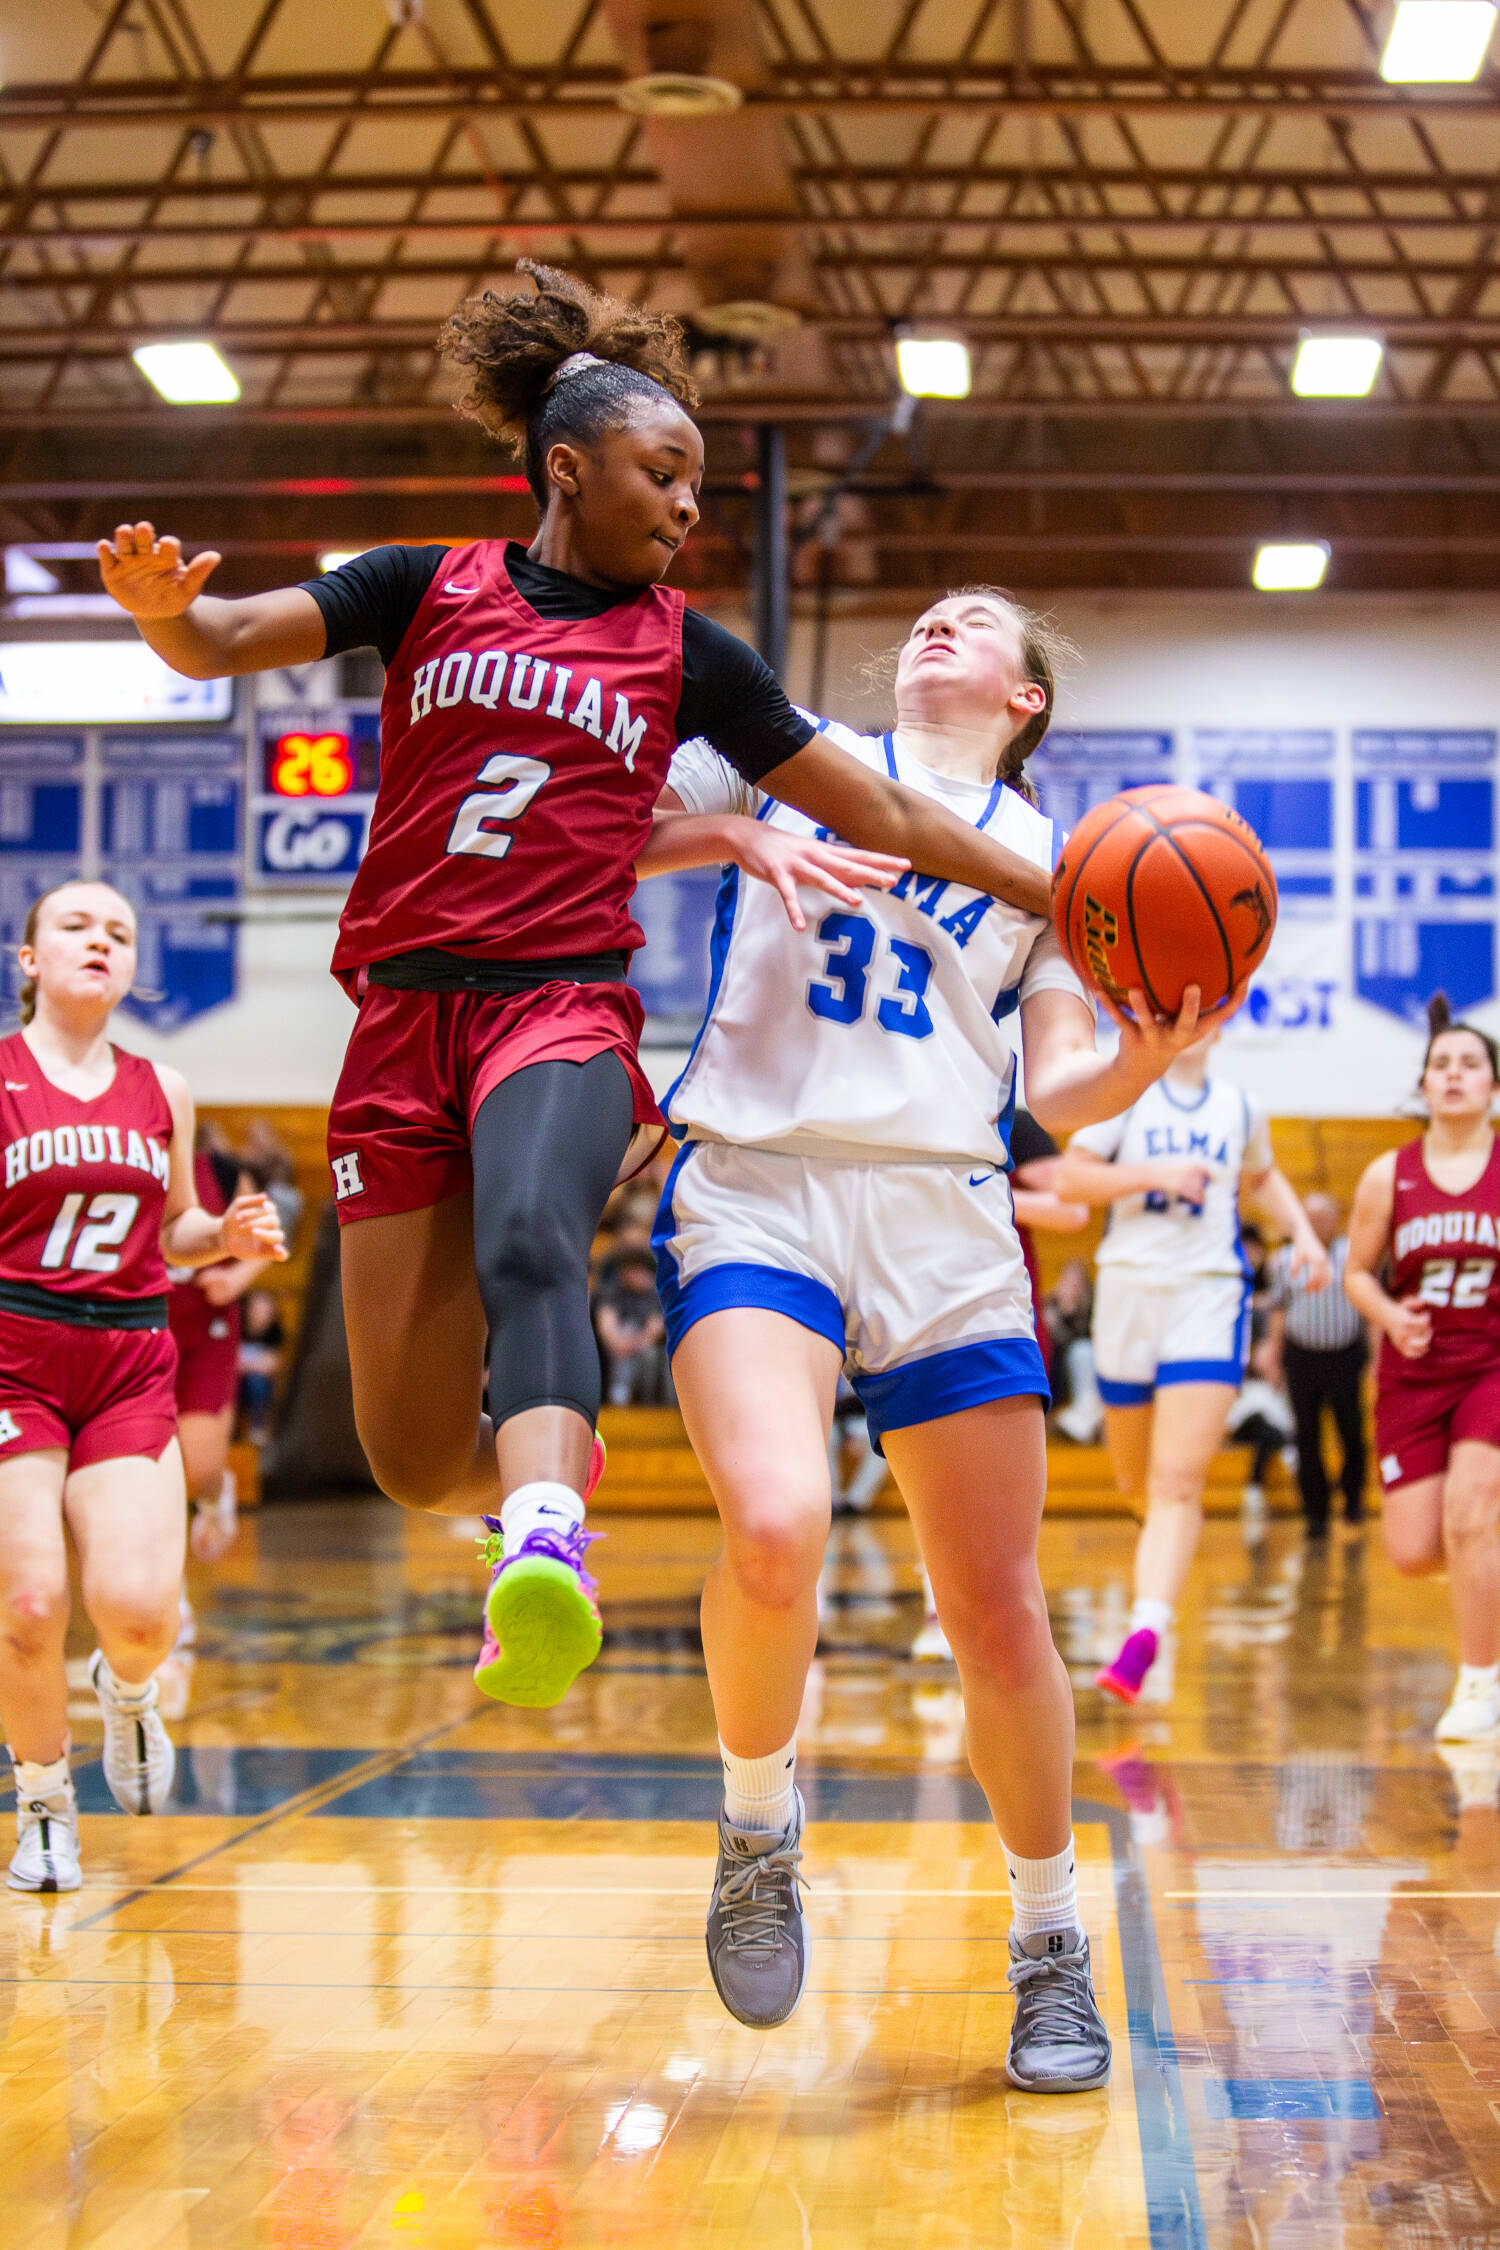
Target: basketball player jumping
491, 1089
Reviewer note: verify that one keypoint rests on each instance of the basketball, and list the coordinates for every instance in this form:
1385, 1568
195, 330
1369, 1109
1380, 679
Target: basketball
1161, 888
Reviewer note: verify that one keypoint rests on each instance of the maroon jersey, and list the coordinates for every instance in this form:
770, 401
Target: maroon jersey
1445, 1256
520, 760
85, 1181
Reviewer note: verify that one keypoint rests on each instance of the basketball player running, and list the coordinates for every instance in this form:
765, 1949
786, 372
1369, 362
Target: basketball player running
98, 1153
1427, 1217
491, 1089
1172, 1309
841, 1197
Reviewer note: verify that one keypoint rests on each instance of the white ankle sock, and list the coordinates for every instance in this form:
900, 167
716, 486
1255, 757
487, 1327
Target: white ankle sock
758, 1792
539, 1507
1150, 1616
1474, 1679
1043, 1892
35, 1781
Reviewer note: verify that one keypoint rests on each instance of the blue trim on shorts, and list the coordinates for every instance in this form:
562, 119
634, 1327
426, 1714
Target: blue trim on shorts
664, 1226
1124, 1394
744, 1286
898, 1398
1230, 1371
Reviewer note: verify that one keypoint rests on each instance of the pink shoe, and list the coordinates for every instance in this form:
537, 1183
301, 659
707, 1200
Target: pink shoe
1125, 1678
598, 1460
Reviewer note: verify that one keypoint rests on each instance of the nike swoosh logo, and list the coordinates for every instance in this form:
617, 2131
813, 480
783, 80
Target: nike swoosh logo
16, 1085
977, 1179
451, 586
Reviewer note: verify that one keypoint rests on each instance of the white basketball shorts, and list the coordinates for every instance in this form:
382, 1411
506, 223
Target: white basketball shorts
1152, 1332
914, 1271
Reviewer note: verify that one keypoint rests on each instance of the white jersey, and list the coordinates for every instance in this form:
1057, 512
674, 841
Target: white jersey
879, 1030
1160, 1238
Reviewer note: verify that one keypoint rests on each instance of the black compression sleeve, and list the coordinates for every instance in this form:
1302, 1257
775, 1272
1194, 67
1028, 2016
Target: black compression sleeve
547, 1144
370, 601
1030, 1143
732, 696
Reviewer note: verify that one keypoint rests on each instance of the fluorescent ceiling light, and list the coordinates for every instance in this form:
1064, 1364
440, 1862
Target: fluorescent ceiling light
1437, 41
933, 366
1336, 366
1291, 567
190, 374
336, 557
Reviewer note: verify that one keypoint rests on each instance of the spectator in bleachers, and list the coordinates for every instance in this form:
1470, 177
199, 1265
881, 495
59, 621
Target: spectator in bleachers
262, 1339
270, 1162
628, 1323
1067, 1313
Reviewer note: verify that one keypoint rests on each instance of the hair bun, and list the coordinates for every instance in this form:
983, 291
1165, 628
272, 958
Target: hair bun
1439, 1015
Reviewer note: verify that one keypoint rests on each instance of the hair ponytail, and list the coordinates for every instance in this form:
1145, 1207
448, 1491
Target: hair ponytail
510, 351
1440, 1020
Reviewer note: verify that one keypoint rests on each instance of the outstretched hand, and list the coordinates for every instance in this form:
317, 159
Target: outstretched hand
784, 861
148, 576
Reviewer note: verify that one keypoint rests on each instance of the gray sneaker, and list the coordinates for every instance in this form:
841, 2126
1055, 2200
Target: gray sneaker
1058, 2043
757, 1931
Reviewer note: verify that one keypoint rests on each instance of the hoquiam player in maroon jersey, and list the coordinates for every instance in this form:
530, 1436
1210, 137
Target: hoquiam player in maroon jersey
491, 1089
1426, 1217
97, 1147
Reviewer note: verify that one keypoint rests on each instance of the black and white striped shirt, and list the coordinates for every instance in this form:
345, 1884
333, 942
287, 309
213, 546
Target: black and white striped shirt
1320, 1320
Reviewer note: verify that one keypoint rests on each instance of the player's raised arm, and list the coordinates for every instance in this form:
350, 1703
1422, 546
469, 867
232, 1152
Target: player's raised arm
193, 632
880, 815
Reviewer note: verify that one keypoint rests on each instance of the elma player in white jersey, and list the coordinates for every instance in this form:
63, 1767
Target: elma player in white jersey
1172, 1308
841, 1199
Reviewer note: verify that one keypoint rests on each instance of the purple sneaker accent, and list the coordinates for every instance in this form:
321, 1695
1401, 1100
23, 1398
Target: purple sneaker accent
542, 1624
568, 1547
1125, 1678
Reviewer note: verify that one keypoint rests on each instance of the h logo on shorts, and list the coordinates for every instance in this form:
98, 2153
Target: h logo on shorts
10, 1428
346, 1179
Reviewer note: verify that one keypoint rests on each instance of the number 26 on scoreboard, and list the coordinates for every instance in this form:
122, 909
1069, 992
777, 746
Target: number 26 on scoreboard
311, 765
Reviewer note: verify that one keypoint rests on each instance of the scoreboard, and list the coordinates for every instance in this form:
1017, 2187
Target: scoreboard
314, 790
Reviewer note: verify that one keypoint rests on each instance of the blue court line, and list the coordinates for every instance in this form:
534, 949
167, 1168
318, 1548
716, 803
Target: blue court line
1174, 2210
1262, 2098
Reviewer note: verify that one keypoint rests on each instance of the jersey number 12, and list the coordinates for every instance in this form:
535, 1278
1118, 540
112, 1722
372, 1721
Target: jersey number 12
96, 1250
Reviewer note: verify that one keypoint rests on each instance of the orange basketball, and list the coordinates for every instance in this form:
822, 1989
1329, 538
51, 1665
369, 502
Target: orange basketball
1161, 888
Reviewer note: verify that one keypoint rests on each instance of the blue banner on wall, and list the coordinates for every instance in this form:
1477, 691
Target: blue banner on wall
171, 837
1424, 867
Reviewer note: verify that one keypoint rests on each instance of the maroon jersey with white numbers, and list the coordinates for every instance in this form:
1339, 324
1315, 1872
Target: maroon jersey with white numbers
520, 758
85, 1183
1445, 1256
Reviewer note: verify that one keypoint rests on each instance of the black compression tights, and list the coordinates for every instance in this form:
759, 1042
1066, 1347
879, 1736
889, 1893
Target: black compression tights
548, 1144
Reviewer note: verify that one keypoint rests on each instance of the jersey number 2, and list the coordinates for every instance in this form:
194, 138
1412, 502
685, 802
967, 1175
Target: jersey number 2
110, 1218
472, 829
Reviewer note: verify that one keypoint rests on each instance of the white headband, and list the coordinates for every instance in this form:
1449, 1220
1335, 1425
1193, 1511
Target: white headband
575, 365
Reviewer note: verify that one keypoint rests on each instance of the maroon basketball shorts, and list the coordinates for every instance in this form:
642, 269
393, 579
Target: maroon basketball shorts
208, 1350
419, 1065
98, 1393
1417, 1422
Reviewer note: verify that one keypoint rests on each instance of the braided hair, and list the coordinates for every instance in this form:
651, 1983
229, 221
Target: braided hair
562, 361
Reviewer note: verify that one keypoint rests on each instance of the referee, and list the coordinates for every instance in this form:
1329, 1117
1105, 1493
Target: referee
1319, 1342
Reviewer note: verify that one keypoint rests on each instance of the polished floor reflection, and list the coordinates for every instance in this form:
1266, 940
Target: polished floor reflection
400, 1967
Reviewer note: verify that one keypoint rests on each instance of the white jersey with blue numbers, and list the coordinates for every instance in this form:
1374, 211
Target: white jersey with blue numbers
1160, 1237
882, 1030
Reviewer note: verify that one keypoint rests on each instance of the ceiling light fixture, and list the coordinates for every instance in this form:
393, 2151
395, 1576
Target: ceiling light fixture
188, 374
1437, 42
1290, 566
678, 93
933, 366
336, 557
1336, 366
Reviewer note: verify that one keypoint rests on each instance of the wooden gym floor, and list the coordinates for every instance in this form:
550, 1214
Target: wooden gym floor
404, 1968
